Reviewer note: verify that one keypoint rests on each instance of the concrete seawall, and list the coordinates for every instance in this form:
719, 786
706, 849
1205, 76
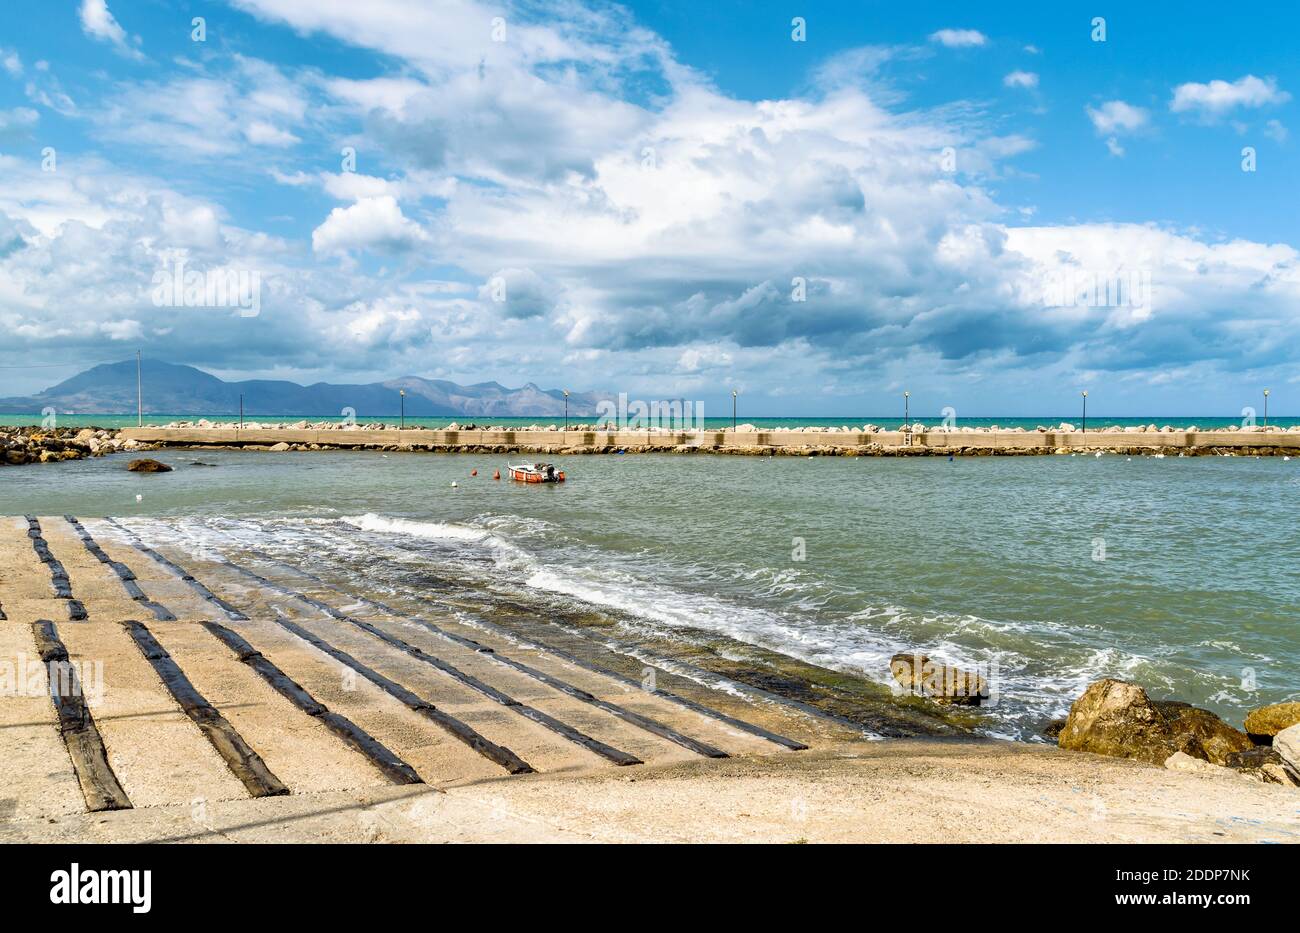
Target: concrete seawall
878, 443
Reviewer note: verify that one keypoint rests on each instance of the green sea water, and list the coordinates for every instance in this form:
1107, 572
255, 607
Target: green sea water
1181, 574
69, 420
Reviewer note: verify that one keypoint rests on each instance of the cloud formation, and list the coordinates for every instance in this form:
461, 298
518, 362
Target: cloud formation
98, 23
1218, 97
959, 38
573, 204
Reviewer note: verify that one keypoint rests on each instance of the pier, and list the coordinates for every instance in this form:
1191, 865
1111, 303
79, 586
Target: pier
1274, 441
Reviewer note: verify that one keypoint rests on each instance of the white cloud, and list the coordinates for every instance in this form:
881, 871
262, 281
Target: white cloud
11, 62
206, 115
1025, 79
371, 223
959, 38
1115, 116
1276, 131
527, 161
98, 23
19, 118
1218, 97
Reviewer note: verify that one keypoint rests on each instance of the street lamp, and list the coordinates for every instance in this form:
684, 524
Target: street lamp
907, 418
1085, 411
1266, 408
402, 393
241, 409
733, 409
566, 409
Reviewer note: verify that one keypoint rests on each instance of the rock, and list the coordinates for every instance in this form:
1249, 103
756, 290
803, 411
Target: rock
1267, 721
148, 466
1116, 718
1181, 761
1053, 728
1262, 764
280, 447
1287, 744
942, 683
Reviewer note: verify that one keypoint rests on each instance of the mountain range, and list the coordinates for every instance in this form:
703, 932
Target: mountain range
172, 389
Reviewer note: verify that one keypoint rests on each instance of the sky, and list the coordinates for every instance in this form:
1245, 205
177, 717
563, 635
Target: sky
819, 205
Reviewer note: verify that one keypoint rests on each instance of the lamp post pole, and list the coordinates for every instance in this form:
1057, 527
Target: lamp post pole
402, 393
1085, 411
566, 410
241, 409
907, 417
733, 410
1266, 408
139, 394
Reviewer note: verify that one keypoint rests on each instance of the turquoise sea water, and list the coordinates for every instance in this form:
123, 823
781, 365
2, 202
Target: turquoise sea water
1179, 574
888, 422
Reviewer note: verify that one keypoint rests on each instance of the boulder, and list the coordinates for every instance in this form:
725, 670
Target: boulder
1267, 721
1117, 718
148, 466
280, 447
1053, 729
921, 676
1262, 764
1181, 761
1287, 744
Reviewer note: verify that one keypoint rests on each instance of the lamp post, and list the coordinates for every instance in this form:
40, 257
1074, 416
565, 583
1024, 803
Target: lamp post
566, 409
1266, 408
907, 418
139, 394
241, 409
402, 393
734, 393
1085, 411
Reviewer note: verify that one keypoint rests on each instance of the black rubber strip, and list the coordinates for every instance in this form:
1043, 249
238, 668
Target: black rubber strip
488, 749
99, 785
231, 612
124, 574
356, 738
573, 659
636, 719
58, 575
608, 752
243, 762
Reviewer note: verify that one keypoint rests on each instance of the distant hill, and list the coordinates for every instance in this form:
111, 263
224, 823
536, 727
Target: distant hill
183, 390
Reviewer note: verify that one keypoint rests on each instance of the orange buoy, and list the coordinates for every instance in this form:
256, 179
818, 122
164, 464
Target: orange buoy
496, 475
473, 472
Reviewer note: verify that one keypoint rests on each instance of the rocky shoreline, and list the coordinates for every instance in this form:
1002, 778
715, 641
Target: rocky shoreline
19, 446
1118, 719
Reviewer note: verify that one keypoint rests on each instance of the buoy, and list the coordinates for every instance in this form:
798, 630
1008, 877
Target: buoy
139, 498
496, 475
454, 484
473, 472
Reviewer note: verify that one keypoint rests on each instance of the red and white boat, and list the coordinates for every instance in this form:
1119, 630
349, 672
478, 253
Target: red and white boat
535, 473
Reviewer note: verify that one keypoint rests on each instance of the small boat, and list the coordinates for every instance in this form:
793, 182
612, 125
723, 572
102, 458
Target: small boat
536, 473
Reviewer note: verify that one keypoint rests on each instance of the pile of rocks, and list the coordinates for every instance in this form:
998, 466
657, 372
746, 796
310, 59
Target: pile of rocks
51, 445
1117, 718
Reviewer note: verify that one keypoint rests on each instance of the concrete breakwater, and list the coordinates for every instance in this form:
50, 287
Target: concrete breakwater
868, 441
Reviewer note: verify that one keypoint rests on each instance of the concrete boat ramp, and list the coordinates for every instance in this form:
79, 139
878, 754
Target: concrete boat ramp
141, 677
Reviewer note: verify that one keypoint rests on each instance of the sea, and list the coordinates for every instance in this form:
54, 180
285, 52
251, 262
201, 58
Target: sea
802, 575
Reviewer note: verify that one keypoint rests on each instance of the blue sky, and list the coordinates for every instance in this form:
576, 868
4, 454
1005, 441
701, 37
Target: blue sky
985, 206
